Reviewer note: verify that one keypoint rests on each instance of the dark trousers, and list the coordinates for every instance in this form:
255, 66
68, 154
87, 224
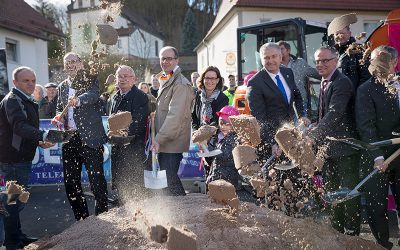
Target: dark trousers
74, 154
338, 173
376, 193
128, 165
170, 162
12, 225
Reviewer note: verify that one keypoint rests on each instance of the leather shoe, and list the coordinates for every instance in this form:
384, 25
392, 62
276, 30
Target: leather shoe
26, 240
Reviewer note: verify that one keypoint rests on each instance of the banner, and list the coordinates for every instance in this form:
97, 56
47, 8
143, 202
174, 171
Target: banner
47, 167
4, 89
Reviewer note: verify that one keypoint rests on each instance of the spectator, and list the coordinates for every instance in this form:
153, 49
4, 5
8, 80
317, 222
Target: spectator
155, 85
128, 158
172, 121
104, 103
152, 100
48, 109
301, 70
38, 95
349, 61
209, 99
19, 137
194, 76
80, 91
223, 166
230, 92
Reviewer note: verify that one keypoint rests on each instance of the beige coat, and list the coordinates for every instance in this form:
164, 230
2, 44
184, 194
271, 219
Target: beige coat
174, 114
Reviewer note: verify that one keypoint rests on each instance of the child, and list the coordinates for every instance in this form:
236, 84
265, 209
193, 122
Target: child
223, 166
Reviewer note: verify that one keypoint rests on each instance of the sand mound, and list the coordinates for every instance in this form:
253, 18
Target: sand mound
253, 228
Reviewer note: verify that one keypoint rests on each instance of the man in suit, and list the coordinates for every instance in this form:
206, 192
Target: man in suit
377, 116
336, 119
172, 120
271, 94
81, 93
128, 158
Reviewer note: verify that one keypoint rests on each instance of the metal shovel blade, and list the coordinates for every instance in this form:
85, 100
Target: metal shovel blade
210, 153
340, 195
284, 167
155, 179
354, 142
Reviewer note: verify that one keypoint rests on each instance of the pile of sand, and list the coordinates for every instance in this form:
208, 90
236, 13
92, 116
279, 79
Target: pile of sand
213, 226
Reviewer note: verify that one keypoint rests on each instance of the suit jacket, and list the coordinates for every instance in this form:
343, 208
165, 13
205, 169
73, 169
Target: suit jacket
267, 104
87, 116
136, 102
337, 116
377, 115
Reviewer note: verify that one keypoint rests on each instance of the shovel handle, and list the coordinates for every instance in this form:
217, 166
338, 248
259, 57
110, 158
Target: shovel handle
392, 156
386, 142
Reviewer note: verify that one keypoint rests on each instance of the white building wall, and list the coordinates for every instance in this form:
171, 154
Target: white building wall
224, 41
31, 52
135, 45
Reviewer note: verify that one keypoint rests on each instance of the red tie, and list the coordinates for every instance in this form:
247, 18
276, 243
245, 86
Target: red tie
324, 85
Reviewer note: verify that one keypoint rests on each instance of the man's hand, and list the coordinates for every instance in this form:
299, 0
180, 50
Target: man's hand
276, 150
46, 144
57, 120
380, 165
155, 147
73, 101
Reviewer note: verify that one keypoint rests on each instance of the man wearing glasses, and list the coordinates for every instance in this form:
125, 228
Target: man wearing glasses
79, 94
336, 119
173, 118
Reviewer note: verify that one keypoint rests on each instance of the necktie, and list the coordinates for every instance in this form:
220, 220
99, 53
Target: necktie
324, 85
281, 88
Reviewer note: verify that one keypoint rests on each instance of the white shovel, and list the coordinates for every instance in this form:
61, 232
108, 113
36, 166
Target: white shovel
155, 179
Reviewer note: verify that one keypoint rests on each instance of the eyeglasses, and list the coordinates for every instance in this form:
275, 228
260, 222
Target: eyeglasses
210, 78
324, 61
168, 59
124, 76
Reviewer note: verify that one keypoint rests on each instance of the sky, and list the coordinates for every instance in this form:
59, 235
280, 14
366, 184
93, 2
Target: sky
62, 3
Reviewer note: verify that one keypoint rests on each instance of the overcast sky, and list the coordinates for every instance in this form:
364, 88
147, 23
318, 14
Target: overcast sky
62, 3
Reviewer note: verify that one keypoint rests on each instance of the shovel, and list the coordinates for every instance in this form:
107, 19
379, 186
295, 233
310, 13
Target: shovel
345, 194
207, 153
364, 145
285, 166
155, 179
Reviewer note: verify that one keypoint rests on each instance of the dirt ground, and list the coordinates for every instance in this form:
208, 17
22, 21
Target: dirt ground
214, 226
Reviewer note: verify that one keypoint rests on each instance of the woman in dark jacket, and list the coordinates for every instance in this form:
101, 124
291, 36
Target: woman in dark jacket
209, 98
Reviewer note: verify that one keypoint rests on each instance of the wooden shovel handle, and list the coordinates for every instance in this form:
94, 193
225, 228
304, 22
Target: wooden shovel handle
392, 157
153, 127
395, 140
65, 110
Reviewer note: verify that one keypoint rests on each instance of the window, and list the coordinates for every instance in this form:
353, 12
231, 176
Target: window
91, 3
79, 3
369, 27
119, 44
12, 50
156, 48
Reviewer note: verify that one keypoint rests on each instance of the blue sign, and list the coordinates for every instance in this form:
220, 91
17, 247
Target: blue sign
190, 164
47, 167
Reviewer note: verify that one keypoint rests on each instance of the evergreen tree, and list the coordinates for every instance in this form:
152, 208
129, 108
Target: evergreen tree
190, 36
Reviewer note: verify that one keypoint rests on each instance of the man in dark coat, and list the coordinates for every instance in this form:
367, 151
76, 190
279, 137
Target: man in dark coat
349, 59
377, 116
19, 137
336, 119
128, 160
80, 92
49, 107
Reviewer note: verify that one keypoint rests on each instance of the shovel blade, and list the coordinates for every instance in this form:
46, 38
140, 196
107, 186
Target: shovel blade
155, 180
210, 153
284, 166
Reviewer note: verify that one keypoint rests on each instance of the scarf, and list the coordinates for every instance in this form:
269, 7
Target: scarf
206, 113
165, 77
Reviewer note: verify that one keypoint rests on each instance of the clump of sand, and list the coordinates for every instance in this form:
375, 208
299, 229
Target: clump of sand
215, 227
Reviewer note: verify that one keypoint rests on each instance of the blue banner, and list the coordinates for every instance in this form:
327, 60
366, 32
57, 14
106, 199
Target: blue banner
47, 167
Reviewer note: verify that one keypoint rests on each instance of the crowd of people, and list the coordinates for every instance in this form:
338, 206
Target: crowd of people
352, 104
